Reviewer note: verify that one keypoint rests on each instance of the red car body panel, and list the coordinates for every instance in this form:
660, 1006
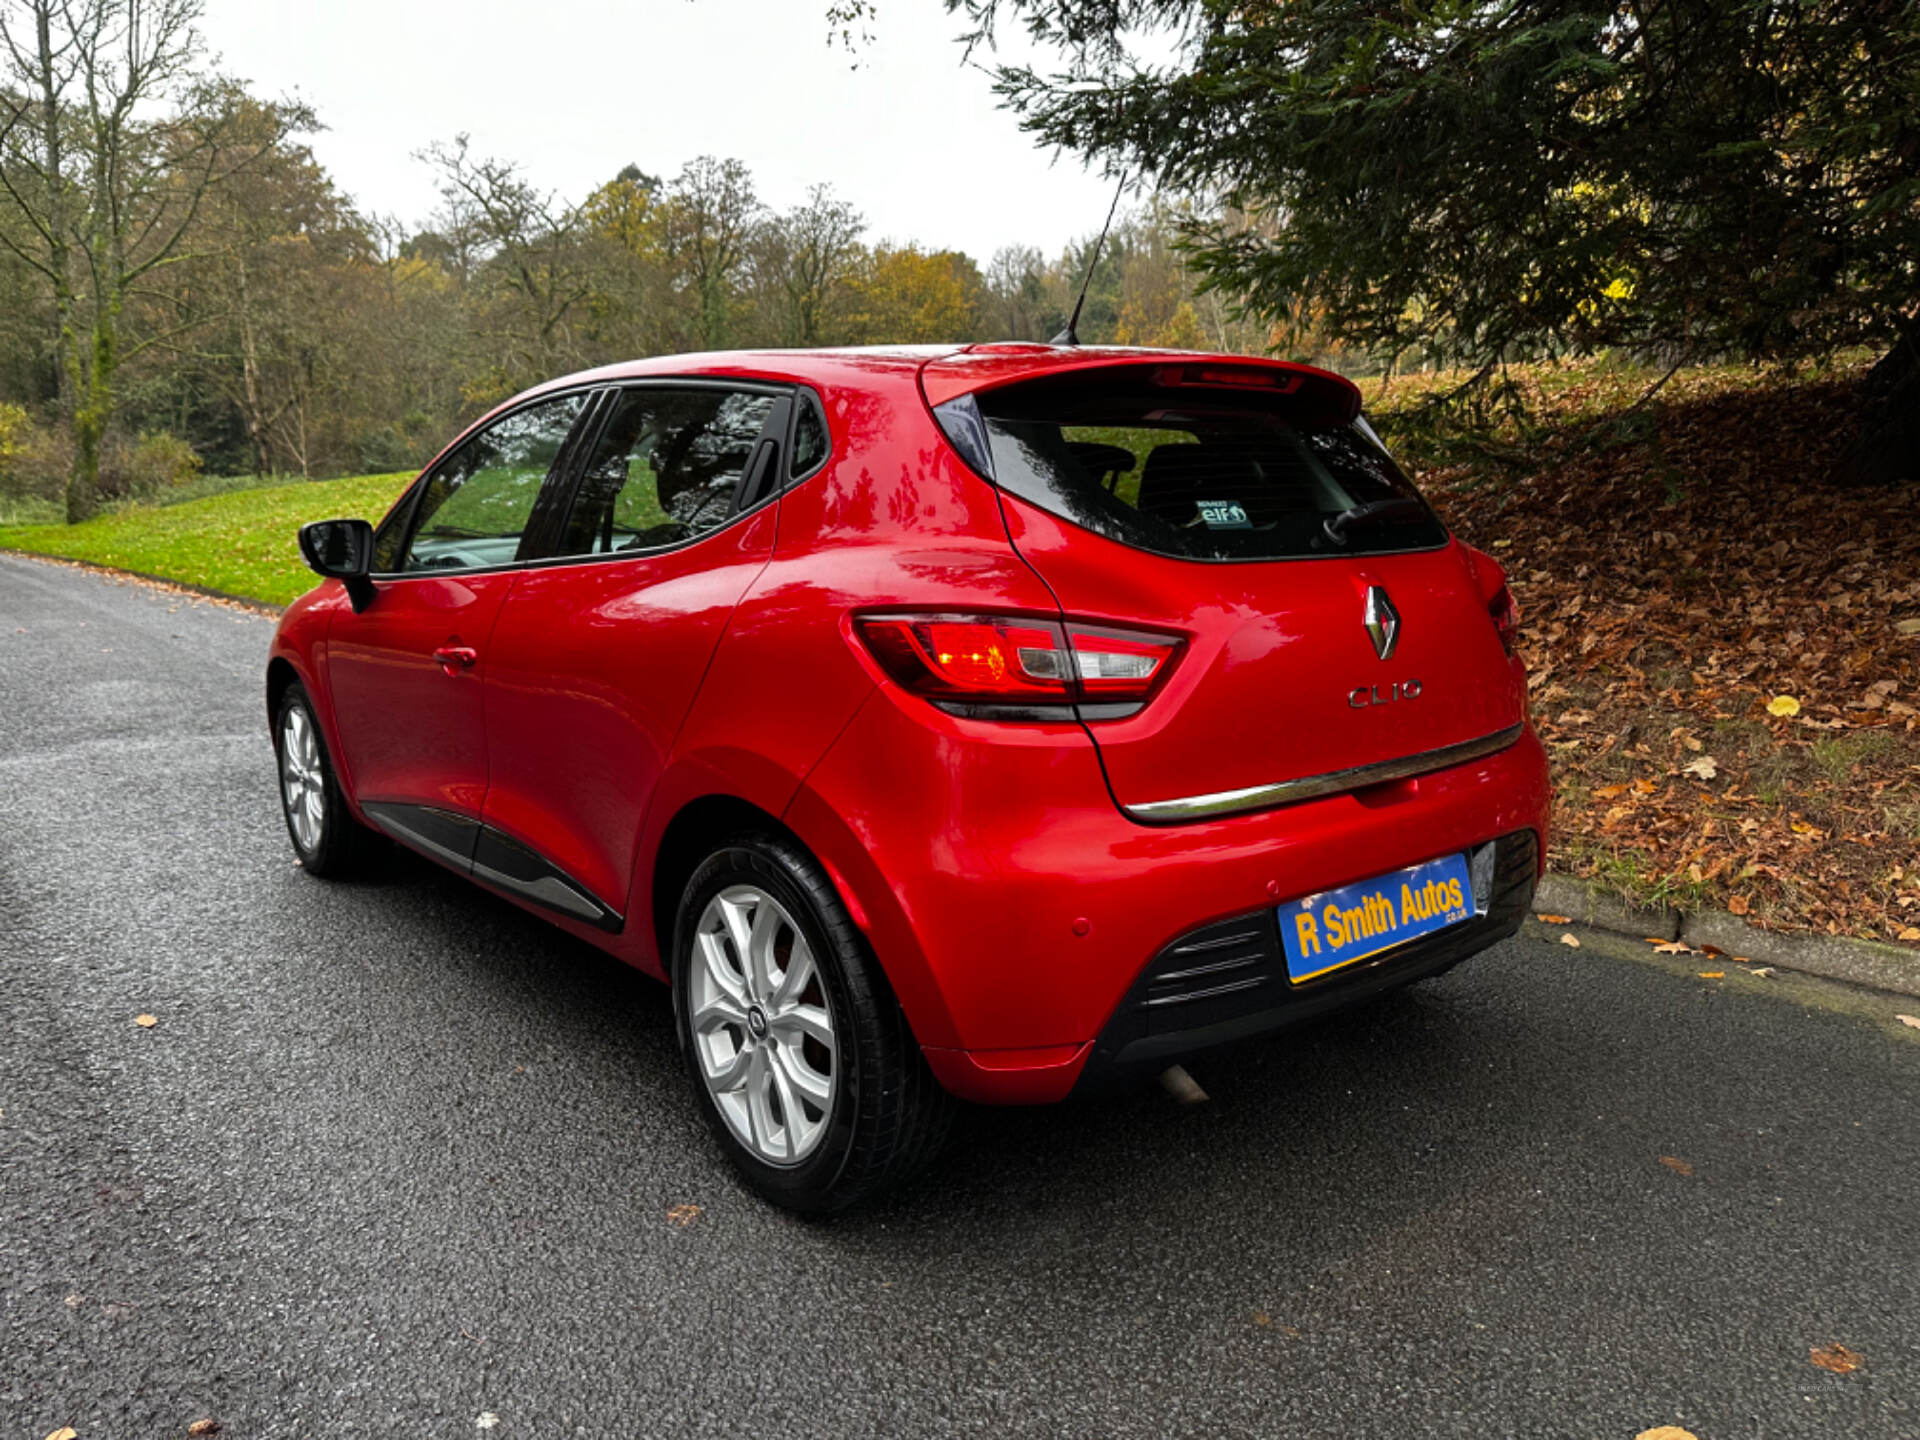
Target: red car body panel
1011, 899
590, 674
1032, 903
1274, 646
408, 729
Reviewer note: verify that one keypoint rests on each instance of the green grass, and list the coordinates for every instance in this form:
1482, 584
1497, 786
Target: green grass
241, 543
29, 511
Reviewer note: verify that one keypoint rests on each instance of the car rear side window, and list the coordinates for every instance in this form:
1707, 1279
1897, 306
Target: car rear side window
665, 468
810, 443
1204, 472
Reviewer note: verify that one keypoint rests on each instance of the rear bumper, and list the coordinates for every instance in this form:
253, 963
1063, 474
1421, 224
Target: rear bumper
1018, 913
1243, 989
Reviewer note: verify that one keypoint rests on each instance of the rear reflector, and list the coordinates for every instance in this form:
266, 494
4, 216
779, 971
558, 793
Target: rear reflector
1506, 618
1019, 668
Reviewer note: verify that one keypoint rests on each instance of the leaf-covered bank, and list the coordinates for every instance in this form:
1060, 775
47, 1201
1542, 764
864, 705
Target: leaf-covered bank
1724, 639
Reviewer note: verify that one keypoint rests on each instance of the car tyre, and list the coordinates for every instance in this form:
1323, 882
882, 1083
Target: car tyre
775, 991
326, 837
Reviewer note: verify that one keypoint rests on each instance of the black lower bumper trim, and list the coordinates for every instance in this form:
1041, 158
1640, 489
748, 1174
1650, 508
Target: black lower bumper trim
1228, 981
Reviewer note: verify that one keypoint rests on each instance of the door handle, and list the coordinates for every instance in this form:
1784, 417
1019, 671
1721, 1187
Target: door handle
455, 658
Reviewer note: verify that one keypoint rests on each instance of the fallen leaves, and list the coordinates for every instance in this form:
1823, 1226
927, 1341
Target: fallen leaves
683, 1215
1676, 1164
1713, 974
1570, 940
1666, 1432
1670, 947
1912, 1022
1705, 768
1738, 905
65, 1432
146, 1022
1837, 1358
485, 1420
207, 1426
1702, 592
1554, 919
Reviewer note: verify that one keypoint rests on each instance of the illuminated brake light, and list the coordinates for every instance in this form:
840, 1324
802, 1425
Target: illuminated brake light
1004, 667
971, 658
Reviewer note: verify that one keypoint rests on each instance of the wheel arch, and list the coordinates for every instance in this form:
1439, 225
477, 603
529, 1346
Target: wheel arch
290, 664
689, 837
280, 675
703, 822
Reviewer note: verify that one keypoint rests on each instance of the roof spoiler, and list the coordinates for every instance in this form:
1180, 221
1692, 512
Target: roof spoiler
987, 367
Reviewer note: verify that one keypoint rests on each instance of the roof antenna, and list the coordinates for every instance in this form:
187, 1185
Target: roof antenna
1071, 335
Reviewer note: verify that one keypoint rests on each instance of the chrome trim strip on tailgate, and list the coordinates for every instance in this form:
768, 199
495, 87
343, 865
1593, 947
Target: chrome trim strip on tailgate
1312, 787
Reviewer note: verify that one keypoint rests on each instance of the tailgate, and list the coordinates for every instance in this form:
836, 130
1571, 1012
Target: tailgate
1331, 624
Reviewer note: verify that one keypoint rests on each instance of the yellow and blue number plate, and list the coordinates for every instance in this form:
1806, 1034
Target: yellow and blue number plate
1337, 927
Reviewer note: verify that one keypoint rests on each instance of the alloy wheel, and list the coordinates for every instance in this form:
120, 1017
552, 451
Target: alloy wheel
761, 1025
302, 779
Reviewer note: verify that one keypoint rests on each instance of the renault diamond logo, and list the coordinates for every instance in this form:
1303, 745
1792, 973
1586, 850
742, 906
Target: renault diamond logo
1382, 622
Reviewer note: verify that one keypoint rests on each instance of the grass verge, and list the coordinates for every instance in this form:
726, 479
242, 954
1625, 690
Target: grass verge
240, 543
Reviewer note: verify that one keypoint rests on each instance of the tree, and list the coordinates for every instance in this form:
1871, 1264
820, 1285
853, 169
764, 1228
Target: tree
1487, 179
112, 135
708, 216
278, 248
633, 302
804, 260
522, 251
907, 296
1017, 295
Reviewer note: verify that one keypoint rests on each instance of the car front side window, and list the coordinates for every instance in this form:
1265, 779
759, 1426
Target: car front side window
665, 469
474, 510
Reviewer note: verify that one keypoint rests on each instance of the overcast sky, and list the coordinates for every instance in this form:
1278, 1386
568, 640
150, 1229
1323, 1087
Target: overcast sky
574, 89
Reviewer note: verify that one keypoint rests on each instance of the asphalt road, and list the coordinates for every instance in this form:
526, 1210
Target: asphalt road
397, 1158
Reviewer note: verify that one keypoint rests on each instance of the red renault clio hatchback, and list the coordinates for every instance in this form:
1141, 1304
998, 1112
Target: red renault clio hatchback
977, 722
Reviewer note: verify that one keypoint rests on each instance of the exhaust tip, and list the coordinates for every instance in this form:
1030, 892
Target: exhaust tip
1181, 1086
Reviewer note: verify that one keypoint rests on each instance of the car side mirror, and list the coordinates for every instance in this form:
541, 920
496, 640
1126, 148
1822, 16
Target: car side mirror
341, 550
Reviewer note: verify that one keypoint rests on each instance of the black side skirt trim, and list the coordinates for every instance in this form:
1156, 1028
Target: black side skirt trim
486, 855
513, 867
445, 836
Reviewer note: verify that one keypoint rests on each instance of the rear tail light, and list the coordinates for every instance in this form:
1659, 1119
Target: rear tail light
1506, 618
1002, 667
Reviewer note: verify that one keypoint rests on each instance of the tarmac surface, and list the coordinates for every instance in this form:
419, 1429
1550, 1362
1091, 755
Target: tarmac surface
399, 1159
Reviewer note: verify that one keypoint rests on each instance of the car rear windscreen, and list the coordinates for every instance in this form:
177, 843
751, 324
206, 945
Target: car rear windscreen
1199, 472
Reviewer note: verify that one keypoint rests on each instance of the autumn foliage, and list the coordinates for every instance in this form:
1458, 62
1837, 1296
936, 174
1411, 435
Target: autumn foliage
1682, 564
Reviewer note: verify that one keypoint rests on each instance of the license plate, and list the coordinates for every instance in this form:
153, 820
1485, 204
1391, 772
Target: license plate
1337, 927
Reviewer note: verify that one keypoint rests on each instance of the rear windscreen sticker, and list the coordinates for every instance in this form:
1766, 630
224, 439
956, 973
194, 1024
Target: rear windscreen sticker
1223, 515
